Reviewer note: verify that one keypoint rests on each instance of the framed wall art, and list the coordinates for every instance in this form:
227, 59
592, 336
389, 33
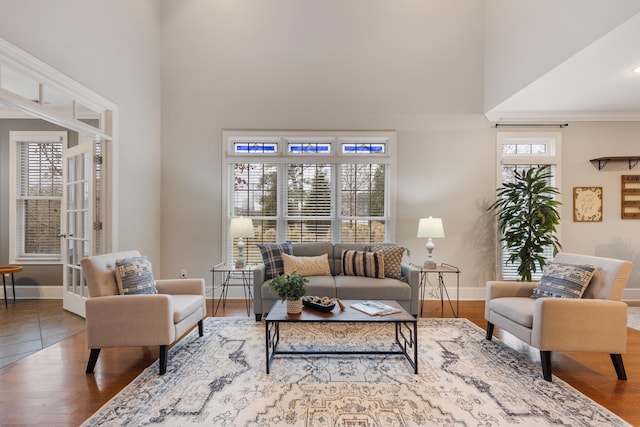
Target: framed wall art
630, 197
587, 204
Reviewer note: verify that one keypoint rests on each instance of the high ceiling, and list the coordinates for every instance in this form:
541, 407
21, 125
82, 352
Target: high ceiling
597, 83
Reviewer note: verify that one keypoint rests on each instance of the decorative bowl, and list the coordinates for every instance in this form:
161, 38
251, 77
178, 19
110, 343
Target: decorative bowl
324, 305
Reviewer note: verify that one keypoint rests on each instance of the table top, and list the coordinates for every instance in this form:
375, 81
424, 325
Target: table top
6, 269
278, 313
224, 267
442, 268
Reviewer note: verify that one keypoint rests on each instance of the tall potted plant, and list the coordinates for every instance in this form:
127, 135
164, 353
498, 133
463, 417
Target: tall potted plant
528, 217
290, 288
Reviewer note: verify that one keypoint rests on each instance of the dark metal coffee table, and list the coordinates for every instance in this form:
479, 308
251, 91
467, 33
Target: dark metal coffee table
406, 325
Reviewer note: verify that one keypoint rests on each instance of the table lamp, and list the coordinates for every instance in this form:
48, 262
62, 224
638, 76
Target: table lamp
430, 228
240, 227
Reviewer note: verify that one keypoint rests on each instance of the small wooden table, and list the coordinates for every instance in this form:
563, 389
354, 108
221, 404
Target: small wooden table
406, 329
9, 269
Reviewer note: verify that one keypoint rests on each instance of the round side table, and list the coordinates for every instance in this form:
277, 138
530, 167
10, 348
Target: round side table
9, 269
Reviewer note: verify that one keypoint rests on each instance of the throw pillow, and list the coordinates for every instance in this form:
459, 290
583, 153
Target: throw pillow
272, 258
134, 276
392, 259
307, 265
563, 280
362, 263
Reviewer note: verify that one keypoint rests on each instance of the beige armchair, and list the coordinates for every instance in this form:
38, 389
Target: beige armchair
114, 320
597, 322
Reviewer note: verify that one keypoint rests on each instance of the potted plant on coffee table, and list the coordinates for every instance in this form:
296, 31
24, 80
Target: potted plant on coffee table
527, 212
290, 288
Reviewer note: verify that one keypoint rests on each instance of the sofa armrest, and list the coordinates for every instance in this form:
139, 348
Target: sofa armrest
412, 274
258, 280
181, 286
503, 289
568, 324
129, 320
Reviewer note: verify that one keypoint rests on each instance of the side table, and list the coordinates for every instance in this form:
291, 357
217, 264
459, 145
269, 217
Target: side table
440, 270
9, 269
229, 271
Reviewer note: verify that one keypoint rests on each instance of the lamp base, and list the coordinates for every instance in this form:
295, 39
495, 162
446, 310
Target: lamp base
430, 264
240, 263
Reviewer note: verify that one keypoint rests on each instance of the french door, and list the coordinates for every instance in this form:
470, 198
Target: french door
81, 230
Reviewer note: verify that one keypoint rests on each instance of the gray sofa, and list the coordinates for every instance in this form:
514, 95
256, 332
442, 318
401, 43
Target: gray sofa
344, 287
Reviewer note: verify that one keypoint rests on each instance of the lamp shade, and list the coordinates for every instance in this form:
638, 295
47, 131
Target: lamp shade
241, 227
430, 227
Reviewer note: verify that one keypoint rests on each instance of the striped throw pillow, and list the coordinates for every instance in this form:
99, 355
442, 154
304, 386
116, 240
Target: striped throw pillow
563, 280
361, 263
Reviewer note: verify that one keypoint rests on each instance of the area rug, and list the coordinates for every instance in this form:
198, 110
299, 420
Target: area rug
633, 317
464, 380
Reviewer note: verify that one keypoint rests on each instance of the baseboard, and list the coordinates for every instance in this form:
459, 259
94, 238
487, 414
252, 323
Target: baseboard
33, 292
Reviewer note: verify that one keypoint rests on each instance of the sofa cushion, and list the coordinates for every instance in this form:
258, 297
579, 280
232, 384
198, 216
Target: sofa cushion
354, 287
307, 265
322, 286
362, 263
392, 259
135, 276
272, 258
560, 280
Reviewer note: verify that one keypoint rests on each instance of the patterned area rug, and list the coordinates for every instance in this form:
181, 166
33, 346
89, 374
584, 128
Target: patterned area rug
464, 380
633, 319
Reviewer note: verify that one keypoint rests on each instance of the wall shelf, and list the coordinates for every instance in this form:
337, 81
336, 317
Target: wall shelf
602, 161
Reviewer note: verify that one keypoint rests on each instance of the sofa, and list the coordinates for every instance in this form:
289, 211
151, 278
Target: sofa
576, 306
335, 284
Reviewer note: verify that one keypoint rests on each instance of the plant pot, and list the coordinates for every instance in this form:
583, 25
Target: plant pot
294, 306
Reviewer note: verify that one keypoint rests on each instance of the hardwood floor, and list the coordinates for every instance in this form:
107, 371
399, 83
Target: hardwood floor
50, 388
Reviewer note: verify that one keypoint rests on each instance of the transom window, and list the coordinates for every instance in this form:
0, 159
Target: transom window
311, 187
519, 151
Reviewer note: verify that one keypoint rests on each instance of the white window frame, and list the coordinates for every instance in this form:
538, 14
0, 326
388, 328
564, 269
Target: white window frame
16, 230
282, 157
552, 156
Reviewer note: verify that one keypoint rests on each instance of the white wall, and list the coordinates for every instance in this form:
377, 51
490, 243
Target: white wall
526, 39
290, 64
112, 47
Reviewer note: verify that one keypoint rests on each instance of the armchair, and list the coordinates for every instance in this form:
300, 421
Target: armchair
597, 322
114, 320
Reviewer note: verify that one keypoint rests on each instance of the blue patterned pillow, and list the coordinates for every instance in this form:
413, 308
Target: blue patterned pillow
272, 258
134, 276
563, 280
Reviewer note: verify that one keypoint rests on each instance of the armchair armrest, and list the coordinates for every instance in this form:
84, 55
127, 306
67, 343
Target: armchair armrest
181, 286
129, 320
567, 324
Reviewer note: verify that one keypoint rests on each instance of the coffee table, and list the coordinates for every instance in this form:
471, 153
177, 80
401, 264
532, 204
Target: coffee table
406, 326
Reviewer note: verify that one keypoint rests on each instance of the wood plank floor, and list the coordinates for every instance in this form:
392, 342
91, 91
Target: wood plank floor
50, 387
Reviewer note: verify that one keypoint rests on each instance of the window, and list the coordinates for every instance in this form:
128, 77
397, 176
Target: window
310, 187
518, 151
36, 196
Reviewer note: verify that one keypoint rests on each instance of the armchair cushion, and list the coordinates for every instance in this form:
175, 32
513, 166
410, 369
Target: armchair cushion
560, 280
135, 276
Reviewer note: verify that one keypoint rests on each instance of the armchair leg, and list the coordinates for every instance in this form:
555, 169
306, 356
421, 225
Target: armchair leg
200, 328
164, 350
545, 357
258, 317
489, 331
93, 358
617, 363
